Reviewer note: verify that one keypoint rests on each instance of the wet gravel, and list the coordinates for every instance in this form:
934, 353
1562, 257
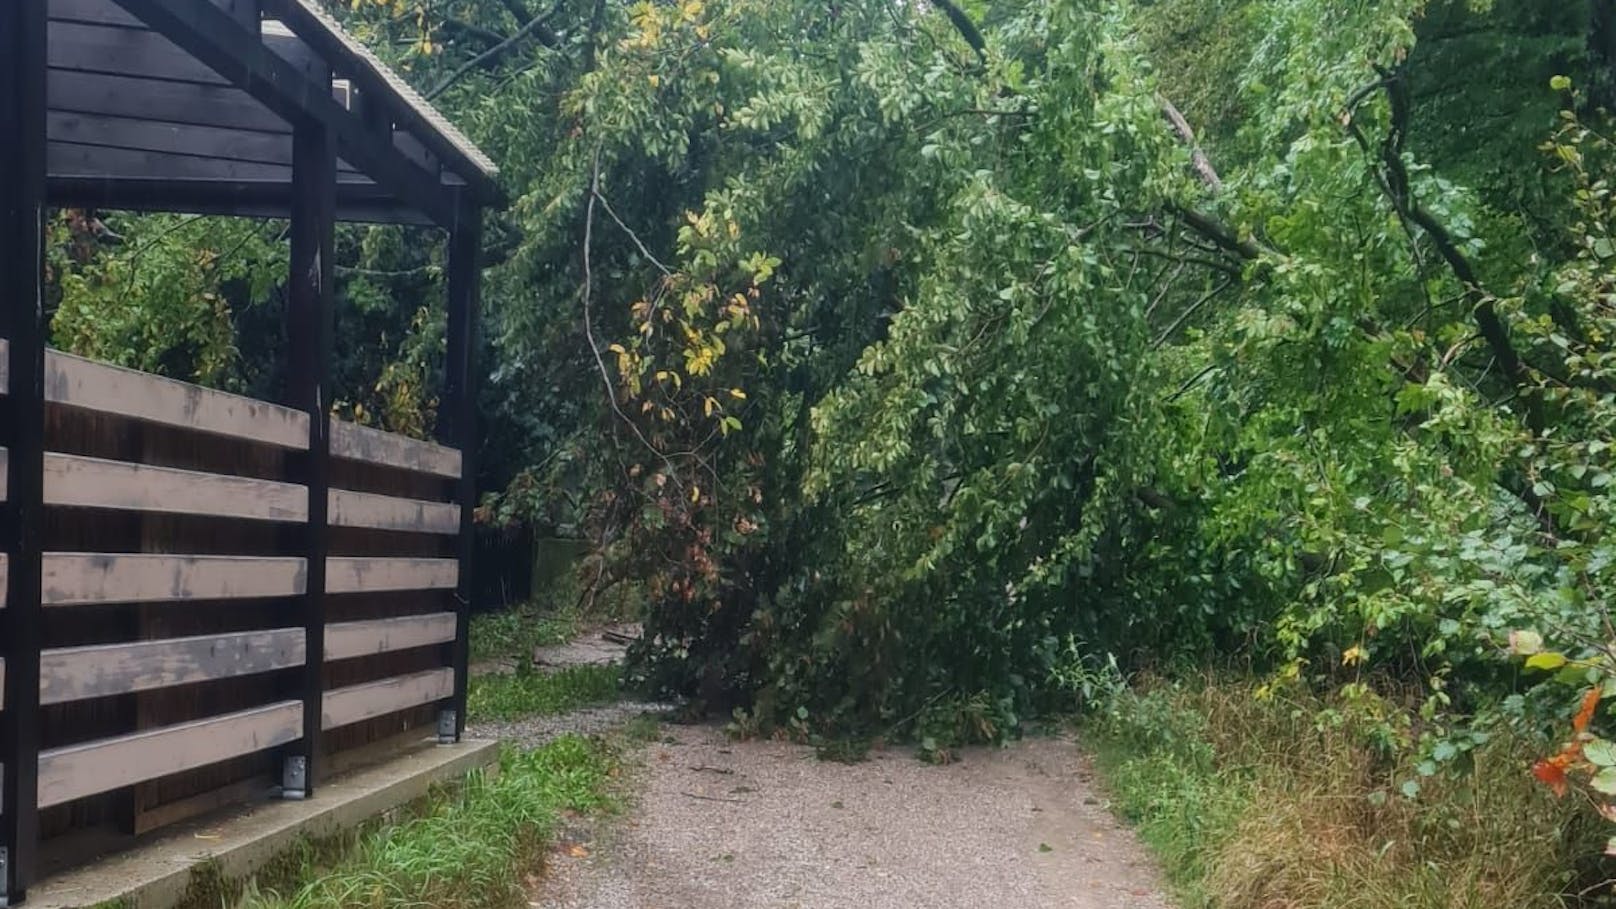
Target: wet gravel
726, 825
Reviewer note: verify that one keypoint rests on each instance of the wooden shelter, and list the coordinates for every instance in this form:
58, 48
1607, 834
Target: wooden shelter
209, 597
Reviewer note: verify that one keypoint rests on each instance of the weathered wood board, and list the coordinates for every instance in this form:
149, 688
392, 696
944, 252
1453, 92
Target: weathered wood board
373, 699
73, 578
379, 512
346, 640
98, 483
101, 766
345, 574
79, 673
77, 382
361, 443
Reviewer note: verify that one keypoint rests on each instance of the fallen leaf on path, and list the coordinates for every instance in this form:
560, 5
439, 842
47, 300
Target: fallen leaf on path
577, 851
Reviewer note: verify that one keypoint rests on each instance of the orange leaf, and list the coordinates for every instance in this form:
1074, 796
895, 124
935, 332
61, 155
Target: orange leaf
1552, 773
1590, 702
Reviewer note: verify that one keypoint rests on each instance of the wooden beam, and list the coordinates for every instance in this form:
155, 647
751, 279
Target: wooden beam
362, 702
77, 382
83, 482
213, 37
378, 512
347, 640
353, 442
81, 673
304, 20
367, 575
23, 29
70, 773
458, 422
77, 578
309, 320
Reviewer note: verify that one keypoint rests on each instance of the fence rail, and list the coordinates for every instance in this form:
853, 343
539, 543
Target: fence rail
175, 655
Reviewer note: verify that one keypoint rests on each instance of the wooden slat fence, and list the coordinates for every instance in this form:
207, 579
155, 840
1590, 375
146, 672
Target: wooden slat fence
173, 668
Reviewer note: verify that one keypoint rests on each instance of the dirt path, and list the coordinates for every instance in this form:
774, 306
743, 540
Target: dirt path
757, 825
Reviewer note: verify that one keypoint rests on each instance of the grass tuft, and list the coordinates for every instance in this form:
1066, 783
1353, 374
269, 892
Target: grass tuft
465, 849
513, 634
529, 693
1255, 804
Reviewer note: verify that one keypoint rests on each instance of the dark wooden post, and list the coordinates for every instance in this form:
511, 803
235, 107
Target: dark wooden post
309, 318
22, 429
457, 421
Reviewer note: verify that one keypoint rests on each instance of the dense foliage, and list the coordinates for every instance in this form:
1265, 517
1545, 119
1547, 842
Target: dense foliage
908, 359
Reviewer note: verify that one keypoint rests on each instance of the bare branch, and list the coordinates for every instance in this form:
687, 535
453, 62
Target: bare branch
1198, 158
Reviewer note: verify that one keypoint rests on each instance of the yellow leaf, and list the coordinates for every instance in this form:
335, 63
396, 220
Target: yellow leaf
655, 80
1353, 656
737, 393
617, 349
709, 404
695, 493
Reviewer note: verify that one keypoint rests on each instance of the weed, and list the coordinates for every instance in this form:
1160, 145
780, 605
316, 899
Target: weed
529, 693
515, 632
1252, 803
463, 849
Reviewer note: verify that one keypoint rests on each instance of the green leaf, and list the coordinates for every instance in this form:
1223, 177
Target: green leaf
1600, 753
1547, 661
1605, 781
1560, 83
1410, 789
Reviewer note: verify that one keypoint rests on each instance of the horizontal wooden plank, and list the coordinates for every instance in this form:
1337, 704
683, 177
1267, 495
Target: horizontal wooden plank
156, 99
104, 12
377, 512
362, 702
69, 773
79, 673
75, 578
210, 142
361, 443
365, 575
346, 640
95, 483
178, 138
126, 51
70, 159
77, 382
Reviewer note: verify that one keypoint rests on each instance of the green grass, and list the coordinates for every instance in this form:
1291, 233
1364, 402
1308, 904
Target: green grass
514, 633
469, 848
1254, 801
529, 693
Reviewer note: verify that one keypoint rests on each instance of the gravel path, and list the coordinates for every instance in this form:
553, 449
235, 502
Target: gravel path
757, 825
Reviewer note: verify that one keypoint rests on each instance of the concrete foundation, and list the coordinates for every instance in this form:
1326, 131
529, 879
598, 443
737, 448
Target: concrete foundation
234, 844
